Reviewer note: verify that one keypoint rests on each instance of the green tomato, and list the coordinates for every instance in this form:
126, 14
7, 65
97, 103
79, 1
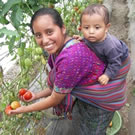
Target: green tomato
20, 52
37, 57
43, 60
39, 50
28, 62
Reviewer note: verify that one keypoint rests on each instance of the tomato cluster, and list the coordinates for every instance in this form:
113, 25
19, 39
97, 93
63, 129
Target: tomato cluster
14, 105
25, 93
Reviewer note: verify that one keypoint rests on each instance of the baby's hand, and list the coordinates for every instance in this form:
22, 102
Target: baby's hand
77, 37
103, 79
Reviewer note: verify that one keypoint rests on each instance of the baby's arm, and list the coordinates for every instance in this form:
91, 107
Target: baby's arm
103, 79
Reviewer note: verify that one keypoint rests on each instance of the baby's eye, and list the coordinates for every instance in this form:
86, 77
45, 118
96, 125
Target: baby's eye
86, 27
97, 27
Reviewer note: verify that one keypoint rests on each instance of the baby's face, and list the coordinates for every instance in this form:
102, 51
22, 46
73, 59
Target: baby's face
93, 27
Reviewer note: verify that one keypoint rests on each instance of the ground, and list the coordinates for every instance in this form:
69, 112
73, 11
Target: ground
119, 28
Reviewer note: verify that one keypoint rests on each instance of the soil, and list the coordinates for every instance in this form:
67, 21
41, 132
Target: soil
119, 28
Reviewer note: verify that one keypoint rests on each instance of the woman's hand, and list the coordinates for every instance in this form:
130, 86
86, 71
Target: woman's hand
19, 110
31, 99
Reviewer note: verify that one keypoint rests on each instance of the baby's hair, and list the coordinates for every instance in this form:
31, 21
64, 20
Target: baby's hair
47, 11
96, 9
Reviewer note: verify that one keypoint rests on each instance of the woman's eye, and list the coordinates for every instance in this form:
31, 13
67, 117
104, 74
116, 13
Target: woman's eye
49, 32
37, 35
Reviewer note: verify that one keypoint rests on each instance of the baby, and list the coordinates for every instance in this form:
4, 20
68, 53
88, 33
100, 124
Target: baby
94, 25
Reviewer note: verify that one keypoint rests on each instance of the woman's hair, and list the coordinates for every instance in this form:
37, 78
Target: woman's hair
47, 11
96, 9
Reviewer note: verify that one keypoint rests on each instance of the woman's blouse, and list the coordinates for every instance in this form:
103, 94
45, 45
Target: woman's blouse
75, 65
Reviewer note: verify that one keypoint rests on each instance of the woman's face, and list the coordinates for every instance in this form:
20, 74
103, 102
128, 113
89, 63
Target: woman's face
48, 35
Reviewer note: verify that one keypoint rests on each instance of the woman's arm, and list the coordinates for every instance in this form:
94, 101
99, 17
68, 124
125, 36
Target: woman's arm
52, 100
44, 93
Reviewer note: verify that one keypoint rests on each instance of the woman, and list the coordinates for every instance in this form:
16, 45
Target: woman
74, 68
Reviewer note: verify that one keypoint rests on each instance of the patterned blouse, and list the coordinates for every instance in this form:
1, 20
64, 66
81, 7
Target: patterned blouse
75, 65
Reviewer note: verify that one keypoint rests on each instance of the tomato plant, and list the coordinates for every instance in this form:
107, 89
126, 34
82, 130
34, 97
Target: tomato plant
27, 95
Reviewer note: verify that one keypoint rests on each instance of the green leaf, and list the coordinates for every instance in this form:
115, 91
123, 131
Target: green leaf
8, 5
1, 3
23, 45
17, 17
19, 14
32, 2
3, 20
2, 106
1, 35
11, 45
8, 32
14, 58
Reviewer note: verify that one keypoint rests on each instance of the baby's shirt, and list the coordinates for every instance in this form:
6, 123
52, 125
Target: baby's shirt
112, 51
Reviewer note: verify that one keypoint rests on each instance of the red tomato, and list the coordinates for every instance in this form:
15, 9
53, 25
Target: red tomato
79, 28
27, 95
22, 91
15, 104
7, 109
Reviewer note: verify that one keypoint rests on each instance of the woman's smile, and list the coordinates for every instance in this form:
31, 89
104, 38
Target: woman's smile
49, 47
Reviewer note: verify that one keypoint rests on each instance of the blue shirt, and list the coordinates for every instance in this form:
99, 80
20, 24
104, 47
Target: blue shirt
112, 51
